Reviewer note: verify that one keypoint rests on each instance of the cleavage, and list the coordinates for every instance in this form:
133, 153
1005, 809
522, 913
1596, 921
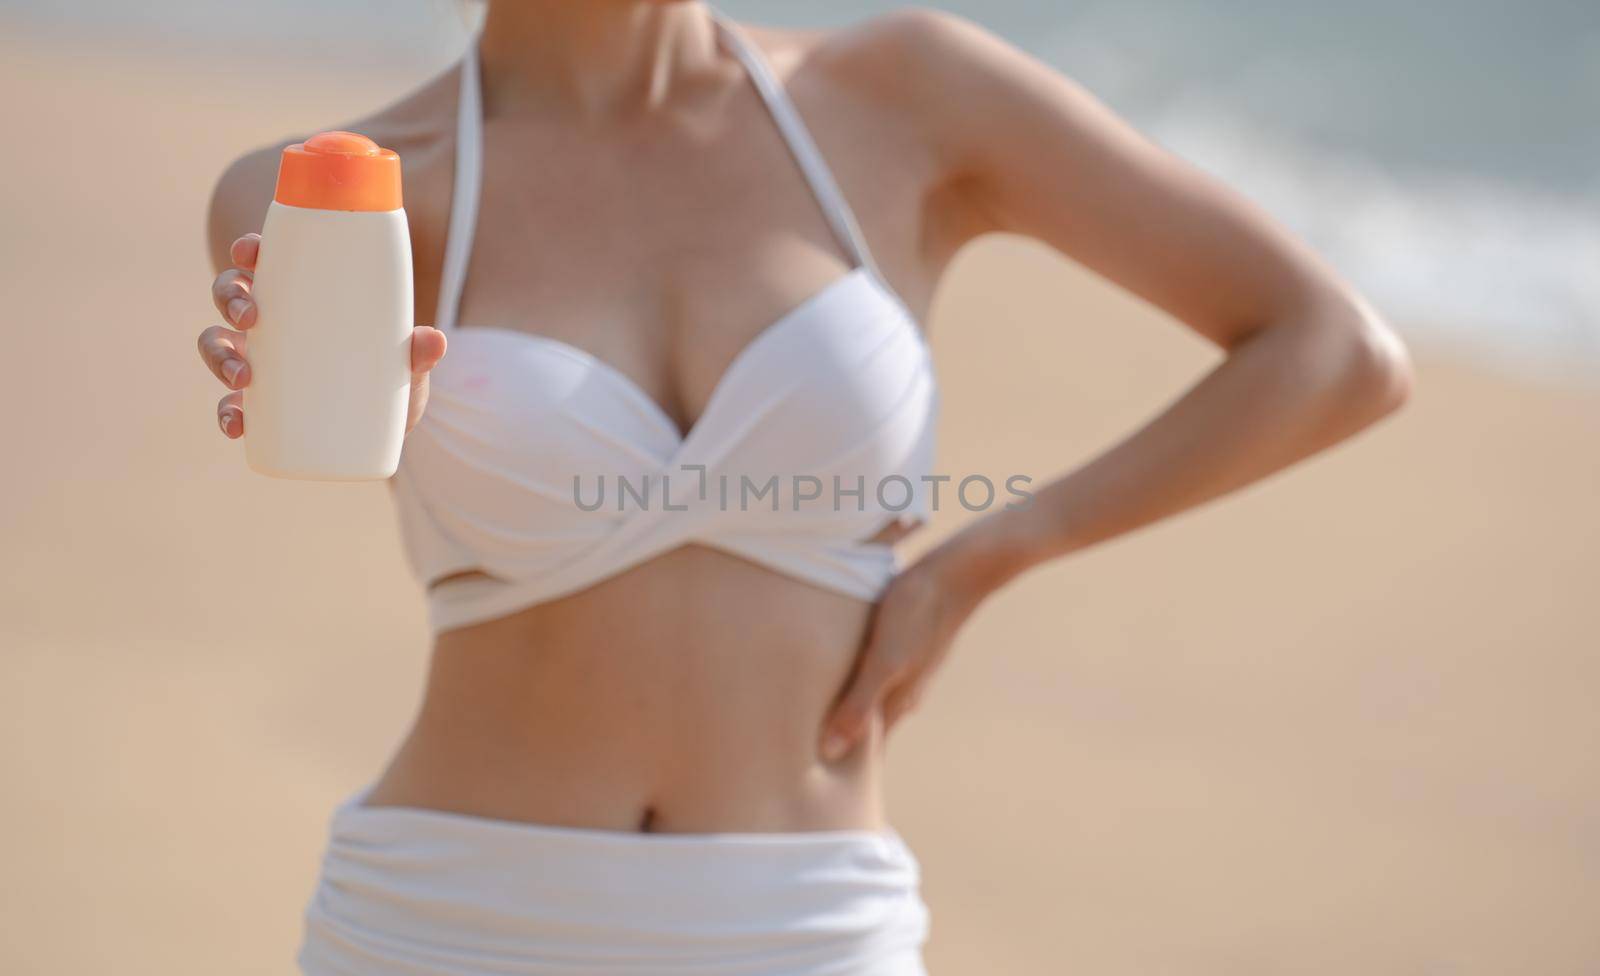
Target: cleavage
675, 344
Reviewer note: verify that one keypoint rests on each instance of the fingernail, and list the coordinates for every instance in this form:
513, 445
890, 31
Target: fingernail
236, 310
834, 746
222, 420
231, 370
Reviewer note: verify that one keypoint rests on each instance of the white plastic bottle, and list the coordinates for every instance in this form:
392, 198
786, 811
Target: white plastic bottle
330, 353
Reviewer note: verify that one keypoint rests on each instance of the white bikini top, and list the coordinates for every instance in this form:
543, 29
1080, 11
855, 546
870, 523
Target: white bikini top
539, 470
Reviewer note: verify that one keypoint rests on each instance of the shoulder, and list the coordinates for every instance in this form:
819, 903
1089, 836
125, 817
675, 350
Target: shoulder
908, 51
916, 52
417, 126
918, 36
915, 68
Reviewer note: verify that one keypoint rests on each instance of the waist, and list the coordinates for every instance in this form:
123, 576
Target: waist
685, 696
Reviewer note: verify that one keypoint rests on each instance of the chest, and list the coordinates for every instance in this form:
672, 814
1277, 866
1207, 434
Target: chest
663, 250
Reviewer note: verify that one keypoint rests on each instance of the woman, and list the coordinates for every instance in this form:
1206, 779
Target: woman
652, 736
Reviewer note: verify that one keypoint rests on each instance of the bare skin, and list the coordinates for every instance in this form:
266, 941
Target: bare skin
639, 203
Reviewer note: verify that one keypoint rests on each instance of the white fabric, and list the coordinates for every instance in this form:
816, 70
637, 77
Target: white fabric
840, 387
409, 892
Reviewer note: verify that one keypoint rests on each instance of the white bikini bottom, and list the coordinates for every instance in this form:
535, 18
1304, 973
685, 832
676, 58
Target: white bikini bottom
412, 892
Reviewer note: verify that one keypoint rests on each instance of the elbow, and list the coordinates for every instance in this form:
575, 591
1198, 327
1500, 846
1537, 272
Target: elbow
1376, 377
1352, 362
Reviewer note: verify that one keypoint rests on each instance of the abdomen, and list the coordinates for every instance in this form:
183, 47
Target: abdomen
685, 695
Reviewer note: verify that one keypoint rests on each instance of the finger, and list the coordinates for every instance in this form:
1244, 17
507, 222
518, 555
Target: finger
230, 292
230, 415
222, 349
900, 702
852, 715
419, 400
427, 348
245, 251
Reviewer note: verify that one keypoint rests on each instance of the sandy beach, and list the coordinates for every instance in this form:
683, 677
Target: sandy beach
1340, 723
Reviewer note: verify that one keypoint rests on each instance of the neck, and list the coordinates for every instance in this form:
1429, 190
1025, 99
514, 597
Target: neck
592, 57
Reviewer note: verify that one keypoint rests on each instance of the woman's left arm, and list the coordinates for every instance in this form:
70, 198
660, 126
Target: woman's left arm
1307, 362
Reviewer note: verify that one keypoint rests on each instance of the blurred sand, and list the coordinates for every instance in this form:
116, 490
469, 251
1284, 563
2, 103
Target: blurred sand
1342, 723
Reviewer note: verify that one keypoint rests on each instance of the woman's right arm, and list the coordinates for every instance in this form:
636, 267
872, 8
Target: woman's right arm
238, 203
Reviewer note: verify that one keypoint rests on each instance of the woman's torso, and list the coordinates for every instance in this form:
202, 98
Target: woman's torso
685, 693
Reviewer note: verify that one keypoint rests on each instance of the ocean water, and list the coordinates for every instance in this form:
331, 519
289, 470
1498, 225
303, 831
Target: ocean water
1443, 154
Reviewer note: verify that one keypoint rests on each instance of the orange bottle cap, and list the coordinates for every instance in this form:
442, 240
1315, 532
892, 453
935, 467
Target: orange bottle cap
339, 171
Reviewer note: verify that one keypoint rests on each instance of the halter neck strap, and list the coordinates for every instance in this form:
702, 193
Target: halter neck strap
810, 159
467, 180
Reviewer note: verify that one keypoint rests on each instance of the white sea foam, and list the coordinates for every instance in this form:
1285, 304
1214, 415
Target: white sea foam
1508, 271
